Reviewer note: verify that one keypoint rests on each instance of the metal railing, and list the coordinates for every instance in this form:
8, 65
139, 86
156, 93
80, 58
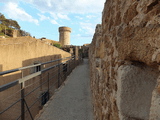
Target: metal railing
42, 83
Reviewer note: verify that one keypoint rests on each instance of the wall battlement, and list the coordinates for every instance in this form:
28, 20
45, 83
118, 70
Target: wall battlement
64, 29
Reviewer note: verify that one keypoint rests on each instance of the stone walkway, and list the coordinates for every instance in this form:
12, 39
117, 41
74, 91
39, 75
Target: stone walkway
73, 101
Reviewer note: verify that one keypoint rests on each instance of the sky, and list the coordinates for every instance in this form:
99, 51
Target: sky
42, 18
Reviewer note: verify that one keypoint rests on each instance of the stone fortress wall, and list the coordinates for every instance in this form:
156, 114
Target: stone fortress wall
20, 52
124, 61
16, 50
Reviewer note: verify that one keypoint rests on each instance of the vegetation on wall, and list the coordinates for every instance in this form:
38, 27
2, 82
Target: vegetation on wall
57, 45
7, 26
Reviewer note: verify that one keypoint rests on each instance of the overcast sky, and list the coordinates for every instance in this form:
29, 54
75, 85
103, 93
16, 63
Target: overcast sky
42, 18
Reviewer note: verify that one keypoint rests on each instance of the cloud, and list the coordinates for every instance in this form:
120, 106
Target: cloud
90, 16
57, 16
43, 17
54, 15
89, 28
80, 30
78, 17
82, 36
68, 6
16, 12
87, 36
6, 1
58, 9
54, 22
62, 16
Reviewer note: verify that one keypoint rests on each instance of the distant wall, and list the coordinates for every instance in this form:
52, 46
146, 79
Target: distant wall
124, 61
14, 51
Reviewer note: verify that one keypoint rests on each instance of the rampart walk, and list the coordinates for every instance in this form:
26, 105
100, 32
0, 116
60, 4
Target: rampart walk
72, 101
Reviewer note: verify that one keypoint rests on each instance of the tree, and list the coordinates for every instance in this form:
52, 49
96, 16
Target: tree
13, 24
8, 25
2, 17
24, 33
8, 32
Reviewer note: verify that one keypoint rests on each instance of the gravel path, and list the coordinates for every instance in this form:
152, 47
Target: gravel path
73, 101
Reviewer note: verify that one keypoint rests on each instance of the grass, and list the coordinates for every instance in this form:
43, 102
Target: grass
1, 34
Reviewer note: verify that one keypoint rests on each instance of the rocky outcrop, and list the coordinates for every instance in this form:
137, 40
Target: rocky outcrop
124, 61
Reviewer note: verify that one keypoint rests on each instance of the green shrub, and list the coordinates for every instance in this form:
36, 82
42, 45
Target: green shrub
1, 34
57, 45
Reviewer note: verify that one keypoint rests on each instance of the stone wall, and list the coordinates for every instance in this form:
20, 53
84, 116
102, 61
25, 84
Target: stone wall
124, 61
15, 33
20, 52
85, 49
16, 50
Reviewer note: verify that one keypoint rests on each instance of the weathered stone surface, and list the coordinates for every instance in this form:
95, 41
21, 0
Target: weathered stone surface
135, 86
129, 35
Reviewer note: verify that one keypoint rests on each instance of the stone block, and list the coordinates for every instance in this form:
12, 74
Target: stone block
135, 87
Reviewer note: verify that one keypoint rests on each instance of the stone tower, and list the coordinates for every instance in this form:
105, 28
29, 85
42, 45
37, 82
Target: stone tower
64, 35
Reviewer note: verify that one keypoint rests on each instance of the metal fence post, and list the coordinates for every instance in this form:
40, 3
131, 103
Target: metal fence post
68, 67
22, 103
40, 82
22, 100
78, 61
58, 74
48, 85
74, 61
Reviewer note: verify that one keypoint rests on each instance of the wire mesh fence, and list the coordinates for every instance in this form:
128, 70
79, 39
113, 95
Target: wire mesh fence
30, 95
